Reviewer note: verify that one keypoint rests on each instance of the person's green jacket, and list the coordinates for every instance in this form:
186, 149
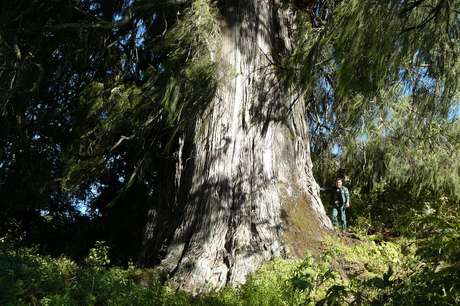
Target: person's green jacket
340, 196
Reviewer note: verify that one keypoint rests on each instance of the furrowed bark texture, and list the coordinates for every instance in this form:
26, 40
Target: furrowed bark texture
246, 190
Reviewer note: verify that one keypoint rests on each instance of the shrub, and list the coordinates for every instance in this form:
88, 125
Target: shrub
364, 271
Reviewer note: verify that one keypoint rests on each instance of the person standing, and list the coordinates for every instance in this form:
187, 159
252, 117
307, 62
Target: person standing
340, 202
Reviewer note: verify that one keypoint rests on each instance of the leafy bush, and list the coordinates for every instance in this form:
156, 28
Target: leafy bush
428, 275
27, 278
435, 277
363, 271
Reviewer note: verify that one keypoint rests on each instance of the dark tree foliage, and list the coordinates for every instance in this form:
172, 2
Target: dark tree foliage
50, 52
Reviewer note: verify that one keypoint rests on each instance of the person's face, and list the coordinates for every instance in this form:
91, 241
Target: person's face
338, 183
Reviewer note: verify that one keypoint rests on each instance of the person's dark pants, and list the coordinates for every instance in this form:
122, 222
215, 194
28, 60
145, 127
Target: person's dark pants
339, 218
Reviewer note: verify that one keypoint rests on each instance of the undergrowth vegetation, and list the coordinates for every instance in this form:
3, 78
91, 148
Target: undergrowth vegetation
353, 270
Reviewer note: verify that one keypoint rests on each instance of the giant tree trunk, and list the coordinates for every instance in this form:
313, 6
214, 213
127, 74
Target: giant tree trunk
245, 190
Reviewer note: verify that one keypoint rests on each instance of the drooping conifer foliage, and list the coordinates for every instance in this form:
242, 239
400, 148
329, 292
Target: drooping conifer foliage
395, 110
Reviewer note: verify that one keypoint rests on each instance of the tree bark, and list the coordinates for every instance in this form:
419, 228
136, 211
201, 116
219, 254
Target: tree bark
246, 193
